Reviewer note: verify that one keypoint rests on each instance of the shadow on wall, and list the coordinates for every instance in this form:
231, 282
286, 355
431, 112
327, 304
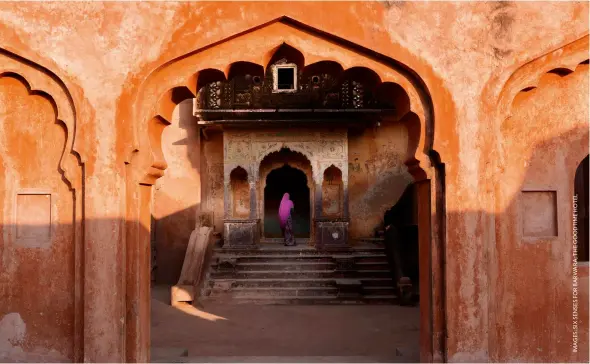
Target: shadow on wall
523, 306
541, 297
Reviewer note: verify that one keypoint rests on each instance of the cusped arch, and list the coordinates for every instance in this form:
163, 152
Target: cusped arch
332, 68
284, 52
242, 68
526, 79
65, 240
406, 70
253, 46
41, 82
333, 171
266, 165
230, 168
295, 147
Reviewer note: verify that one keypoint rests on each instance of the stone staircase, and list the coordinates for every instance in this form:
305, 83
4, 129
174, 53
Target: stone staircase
274, 274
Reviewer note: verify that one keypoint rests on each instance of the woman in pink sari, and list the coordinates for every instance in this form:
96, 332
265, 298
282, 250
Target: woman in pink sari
285, 219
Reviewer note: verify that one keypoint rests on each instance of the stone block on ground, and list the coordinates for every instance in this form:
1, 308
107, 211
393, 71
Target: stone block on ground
181, 293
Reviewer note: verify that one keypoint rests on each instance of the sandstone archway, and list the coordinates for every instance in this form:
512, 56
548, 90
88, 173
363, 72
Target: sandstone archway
177, 80
42, 214
271, 164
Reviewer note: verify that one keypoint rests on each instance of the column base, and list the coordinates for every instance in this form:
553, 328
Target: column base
331, 233
241, 233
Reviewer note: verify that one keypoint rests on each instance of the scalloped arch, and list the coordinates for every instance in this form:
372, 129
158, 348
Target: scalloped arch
291, 146
253, 46
40, 81
264, 172
531, 75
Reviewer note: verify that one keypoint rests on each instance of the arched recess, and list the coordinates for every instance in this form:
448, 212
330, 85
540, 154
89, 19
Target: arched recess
240, 193
275, 160
560, 63
511, 108
42, 208
332, 192
153, 99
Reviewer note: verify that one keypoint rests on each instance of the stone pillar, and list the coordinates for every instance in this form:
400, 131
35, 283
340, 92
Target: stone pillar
317, 206
317, 199
226, 197
253, 197
345, 206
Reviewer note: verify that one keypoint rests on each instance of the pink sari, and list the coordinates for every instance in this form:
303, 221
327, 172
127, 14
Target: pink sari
285, 210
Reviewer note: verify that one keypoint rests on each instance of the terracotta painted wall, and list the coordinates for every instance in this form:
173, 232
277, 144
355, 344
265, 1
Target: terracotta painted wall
101, 53
212, 162
37, 254
177, 195
534, 243
377, 174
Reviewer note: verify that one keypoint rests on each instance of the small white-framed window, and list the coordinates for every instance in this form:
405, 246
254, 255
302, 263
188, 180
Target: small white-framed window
284, 77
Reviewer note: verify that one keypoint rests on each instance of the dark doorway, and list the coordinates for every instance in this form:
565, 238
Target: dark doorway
581, 191
401, 244
290, 180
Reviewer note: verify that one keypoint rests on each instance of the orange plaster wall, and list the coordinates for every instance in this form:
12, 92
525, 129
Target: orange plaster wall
177, 195
37, 264
377, 175
532, 266
464, 52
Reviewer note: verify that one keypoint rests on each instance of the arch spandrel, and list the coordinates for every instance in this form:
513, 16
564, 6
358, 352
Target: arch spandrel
529, 75
252, 46
35, 93
316, 45
41, 81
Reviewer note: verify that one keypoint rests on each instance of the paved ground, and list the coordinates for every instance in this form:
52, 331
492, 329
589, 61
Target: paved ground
260, 333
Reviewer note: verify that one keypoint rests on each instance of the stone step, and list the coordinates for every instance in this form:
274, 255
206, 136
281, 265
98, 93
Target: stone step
245, 292
300, 274
378, 291
299, 266
283, 258
367, 258
293, 283
268, 359
305, 300
368, 266
297, 250
239, 292
285, 266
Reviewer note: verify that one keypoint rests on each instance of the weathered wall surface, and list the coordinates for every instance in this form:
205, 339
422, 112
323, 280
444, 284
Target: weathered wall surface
177, 195
534, 239
377, 174
463, 52
212, 162
37, 254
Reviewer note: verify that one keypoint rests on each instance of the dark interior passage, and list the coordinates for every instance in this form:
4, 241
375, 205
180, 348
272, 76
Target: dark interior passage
401, 242
581, 191
286, 180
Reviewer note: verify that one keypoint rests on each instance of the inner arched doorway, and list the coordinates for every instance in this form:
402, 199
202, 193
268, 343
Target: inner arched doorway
285, 171
293, 181
417, 116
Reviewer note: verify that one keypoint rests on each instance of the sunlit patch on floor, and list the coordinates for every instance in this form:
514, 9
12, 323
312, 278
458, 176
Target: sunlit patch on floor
192, 310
